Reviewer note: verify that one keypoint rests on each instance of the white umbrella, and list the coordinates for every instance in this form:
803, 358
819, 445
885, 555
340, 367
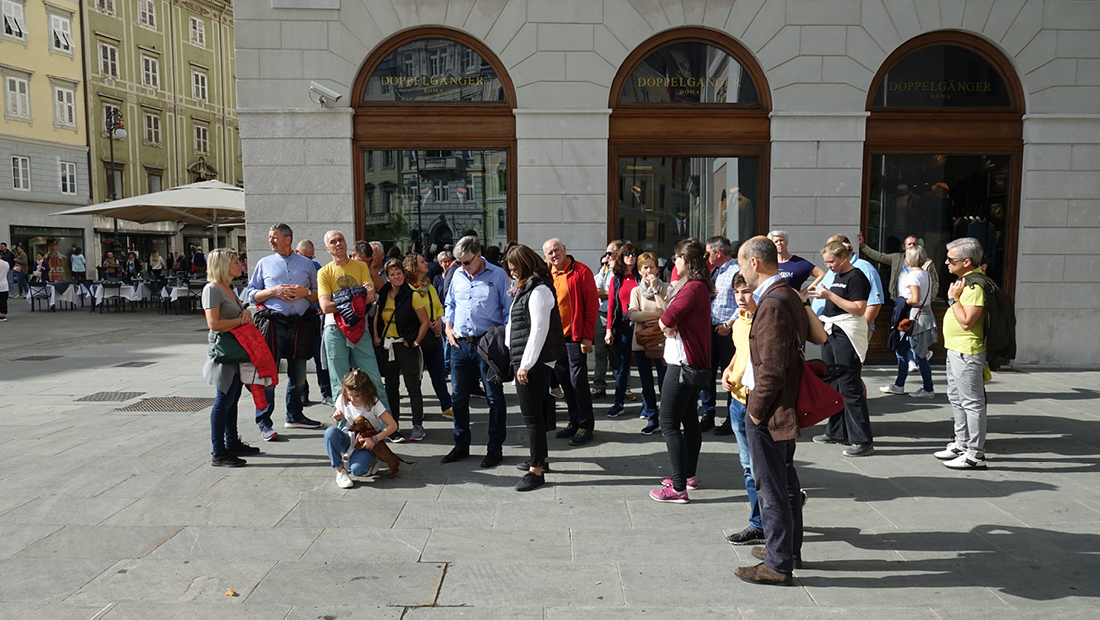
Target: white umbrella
208, 203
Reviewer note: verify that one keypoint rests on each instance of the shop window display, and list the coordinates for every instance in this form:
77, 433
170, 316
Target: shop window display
665, 199
939, 198
444, 193
689, 72
433, 70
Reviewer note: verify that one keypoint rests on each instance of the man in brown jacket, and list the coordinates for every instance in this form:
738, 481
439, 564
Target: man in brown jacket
779, 327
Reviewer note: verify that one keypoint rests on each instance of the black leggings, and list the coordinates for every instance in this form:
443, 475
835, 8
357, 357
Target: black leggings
853, 423
531, 400
406, 363
679, 405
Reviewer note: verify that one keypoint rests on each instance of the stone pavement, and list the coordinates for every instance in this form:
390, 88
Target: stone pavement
119, 515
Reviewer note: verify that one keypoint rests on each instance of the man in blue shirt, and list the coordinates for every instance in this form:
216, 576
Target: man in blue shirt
477, 300
285, 284
306, 248
723, 309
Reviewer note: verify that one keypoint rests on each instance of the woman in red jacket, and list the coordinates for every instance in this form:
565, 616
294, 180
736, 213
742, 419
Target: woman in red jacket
686, 324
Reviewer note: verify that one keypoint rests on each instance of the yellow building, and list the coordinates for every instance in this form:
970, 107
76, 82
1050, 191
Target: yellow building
43, 137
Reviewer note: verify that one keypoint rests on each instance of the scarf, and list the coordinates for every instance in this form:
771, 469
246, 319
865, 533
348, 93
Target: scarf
646, 291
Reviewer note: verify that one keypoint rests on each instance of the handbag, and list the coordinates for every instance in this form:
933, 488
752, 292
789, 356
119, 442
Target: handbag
650, 335
816, 399
228, 351
694, 378
907, 325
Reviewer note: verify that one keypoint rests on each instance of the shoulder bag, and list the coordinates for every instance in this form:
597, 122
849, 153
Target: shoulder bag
816, 400
228, 351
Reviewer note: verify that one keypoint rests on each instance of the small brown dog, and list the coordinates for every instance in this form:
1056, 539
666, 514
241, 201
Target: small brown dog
381, 450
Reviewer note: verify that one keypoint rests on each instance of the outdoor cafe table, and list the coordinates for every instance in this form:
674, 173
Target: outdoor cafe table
63, 291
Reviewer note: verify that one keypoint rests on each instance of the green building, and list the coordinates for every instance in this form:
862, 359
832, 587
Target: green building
168, 66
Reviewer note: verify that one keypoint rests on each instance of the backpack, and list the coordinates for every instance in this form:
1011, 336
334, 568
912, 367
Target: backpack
1000, 320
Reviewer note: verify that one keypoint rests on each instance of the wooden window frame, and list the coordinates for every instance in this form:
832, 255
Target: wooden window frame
689, 129
454, 125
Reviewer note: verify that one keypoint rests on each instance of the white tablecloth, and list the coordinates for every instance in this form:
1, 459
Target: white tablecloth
174, 293
69, 296
126, 291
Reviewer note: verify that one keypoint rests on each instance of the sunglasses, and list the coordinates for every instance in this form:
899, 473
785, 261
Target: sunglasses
467, 263
954, 260
609, 254
631, 254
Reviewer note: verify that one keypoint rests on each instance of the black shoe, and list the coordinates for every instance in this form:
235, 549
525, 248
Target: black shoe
726, 428
227, 460
706, 422
526, 465
492, 458
651, 427
530, 481
748, 536
456, 454
567, 432
241, 449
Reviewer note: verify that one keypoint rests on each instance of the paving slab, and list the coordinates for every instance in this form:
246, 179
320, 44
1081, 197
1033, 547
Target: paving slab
95, 542
353, 544
374, 583
172, 581
500, 583
31, 580
532, 544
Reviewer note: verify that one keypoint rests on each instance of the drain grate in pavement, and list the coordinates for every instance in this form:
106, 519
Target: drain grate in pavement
109, 397
36, 358
134, 365
170, 403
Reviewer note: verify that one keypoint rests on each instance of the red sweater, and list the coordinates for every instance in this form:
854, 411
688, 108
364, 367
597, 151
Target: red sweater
689, 313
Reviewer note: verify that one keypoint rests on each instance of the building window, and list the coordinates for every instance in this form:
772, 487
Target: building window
154, 182
387, 200
152, 129
368, 191
502, 222
14, 24
114, 182
21, 173
150, 72
68, 178
64, 107
198, 85
108, 60
387, 159
61, 31
17, 97
147, 15
202, 140
370, 161
437, 62
440, 191
198, 32
107, 108
105, 6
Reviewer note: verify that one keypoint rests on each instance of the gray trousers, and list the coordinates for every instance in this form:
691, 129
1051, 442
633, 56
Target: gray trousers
603, 354
966, 393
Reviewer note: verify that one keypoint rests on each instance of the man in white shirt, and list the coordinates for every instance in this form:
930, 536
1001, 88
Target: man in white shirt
603, 351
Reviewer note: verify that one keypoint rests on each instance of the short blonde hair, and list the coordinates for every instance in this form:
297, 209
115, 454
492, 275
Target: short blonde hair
217, 264
647, 257
915, 256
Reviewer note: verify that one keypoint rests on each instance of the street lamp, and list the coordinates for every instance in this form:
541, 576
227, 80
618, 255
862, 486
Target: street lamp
115, 131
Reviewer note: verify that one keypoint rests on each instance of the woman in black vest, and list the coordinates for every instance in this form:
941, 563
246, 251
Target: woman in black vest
402, 323
535, 343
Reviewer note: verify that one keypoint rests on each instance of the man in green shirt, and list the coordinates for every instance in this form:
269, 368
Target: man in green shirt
964, 339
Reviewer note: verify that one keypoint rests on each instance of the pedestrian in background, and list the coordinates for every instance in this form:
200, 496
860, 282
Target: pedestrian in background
602, 277
431, 349
619, 334
401, 324
647, 304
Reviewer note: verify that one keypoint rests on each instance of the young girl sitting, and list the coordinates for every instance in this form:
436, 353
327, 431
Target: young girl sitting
358, 397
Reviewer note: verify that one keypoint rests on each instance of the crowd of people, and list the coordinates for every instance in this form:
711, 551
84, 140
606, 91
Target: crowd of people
718, 323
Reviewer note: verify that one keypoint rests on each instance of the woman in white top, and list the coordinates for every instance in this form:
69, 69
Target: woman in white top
358, 397
916, 286
535, 342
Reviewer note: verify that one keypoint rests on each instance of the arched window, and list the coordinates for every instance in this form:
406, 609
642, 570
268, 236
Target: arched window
434, 129
943, 154
688, 142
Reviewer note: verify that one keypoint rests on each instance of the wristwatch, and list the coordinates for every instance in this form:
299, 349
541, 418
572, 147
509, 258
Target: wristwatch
951, 301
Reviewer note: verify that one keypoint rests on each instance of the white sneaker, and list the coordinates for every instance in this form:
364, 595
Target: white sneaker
952, 451
922, 393
913, 366
965, 462
891, 389
343, 480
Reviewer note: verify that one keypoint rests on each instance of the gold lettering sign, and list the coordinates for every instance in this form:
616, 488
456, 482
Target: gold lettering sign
425, 81
686, 82
945, 86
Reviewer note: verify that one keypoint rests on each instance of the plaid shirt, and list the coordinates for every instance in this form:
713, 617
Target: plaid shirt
724, 306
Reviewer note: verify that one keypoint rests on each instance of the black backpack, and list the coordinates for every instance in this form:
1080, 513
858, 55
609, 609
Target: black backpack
1000, 320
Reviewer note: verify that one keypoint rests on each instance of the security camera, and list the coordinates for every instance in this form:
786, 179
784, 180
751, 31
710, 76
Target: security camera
323, 94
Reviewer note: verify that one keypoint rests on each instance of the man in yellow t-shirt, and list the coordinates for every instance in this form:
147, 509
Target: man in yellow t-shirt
338, 275
964, 339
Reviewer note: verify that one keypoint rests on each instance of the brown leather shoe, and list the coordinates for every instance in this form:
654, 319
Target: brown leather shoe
763, 575
762, 553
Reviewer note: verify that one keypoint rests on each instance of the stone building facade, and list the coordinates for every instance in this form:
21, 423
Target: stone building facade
944, 118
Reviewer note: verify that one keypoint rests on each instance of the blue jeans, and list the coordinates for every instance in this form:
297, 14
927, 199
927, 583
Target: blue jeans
737, 418
337, 443
623, 334
223, 417
645, 376
21, 283
435, 366
295, 376
467, 368
904, 352
341, 359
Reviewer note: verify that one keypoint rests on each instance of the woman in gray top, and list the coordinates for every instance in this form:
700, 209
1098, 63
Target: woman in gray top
223, 313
